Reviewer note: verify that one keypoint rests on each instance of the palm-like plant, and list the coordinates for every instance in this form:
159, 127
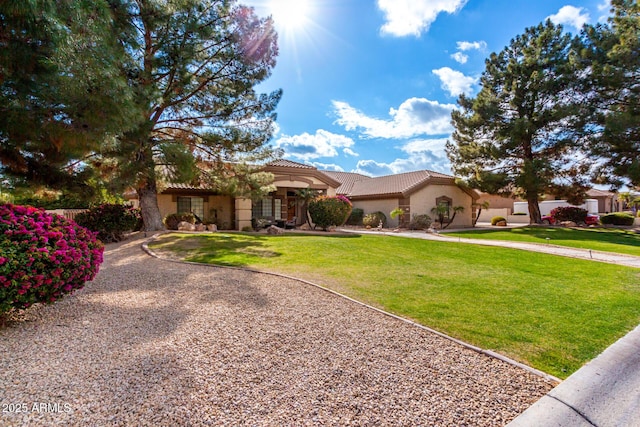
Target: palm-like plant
441, 212
306, 195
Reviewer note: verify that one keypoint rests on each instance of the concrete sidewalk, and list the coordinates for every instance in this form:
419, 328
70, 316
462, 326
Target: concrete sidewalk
605, 392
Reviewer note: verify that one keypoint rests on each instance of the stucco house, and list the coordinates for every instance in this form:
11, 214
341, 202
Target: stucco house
415, 192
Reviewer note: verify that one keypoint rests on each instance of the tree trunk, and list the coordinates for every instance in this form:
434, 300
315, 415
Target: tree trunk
148, 195
534, 210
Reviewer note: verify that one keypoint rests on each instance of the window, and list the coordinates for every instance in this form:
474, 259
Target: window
443, 204
268, 208
191, 204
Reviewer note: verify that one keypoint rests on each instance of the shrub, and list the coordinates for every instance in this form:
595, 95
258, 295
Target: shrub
171, 221
373, 219
327, 211
110, 221
617, 218
43, 257
420, 222
497, 219
520, 213
356, 217
569, 213
247, 228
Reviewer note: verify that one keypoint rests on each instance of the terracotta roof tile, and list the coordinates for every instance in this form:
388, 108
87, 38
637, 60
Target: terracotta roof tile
356, 185
346, 179
289, 164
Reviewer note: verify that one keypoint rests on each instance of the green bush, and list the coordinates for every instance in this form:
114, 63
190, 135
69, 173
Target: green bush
247, 228
420, 222
497, 219
43, 257
373, 219
520, 213
617, 218
326, 211
569, 213
356, 217
171, 221
110, 221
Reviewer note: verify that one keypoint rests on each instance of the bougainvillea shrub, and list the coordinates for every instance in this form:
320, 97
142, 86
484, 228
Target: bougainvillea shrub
43, 257
569, 213
327, 211
111, 221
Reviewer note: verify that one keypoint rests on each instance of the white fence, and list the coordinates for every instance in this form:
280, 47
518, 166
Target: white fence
591, 205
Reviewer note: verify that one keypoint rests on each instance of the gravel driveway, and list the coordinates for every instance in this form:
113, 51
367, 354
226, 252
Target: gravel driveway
152, 342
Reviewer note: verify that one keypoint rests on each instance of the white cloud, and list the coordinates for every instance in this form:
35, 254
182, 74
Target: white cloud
412, 17
464, 46
460, 57
572, 16
350, 152
604, 7
425, 145
415, 116
326, 166
426, 160
455, 82
306, 146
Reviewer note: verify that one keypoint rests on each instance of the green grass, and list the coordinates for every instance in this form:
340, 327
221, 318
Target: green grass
550, 312
597, 239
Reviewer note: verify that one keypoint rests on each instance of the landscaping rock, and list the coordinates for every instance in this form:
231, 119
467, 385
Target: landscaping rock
212, 227
186, 226
273, 230
201, 227
568, 224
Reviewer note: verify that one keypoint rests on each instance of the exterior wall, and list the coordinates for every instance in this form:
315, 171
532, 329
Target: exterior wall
167, 204
243, 213
220, 209
497, 202
591, 205
383, 205
423, 200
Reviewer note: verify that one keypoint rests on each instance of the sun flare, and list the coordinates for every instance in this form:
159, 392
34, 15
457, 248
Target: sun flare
290, 14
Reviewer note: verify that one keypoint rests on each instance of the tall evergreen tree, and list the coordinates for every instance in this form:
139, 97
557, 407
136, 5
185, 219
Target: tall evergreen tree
193, 65
60, 90
611, 60
519, 133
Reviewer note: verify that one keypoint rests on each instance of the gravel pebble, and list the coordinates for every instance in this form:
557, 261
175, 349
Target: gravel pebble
157, 343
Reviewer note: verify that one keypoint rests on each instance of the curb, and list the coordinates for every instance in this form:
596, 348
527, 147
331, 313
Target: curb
489, 353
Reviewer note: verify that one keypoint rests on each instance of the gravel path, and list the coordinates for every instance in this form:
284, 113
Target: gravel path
156, 343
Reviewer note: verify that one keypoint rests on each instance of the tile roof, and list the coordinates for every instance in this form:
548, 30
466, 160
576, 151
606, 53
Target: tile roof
360, 186
594, 192
289, 164
346, 179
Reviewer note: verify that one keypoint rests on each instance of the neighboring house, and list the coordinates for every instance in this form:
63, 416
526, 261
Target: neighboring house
607, 201
414, 192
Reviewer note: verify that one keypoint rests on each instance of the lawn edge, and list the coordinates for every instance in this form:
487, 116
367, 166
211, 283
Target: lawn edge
490, 353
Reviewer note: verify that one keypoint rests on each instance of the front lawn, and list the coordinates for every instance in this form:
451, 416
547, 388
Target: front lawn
597, 239
549, 312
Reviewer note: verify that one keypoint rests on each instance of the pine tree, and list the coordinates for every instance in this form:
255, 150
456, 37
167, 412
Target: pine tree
611, 61
60, 90
193, 66
519, 134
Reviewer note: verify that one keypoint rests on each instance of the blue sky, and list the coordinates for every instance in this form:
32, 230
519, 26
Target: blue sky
369, 85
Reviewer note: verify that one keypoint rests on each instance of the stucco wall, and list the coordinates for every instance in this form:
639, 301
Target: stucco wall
166, 204
383, 205
422, 201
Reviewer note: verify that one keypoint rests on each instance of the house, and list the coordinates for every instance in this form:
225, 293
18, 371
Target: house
415, 192
235, 212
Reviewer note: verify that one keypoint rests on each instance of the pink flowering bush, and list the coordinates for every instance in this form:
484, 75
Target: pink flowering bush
43, 257
326, 211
